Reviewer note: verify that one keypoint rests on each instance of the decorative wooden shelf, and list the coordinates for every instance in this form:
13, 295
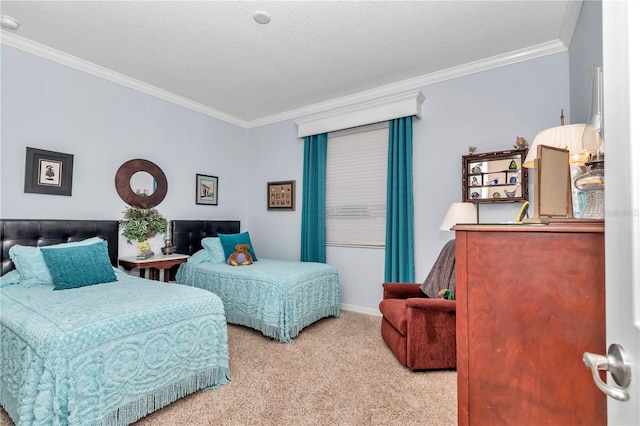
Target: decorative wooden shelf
495, 177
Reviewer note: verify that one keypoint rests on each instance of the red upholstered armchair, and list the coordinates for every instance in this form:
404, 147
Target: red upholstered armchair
421, 331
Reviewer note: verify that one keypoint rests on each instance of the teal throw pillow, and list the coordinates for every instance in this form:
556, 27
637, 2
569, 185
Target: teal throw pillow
79, 266
30, 264
229, 242
214, 247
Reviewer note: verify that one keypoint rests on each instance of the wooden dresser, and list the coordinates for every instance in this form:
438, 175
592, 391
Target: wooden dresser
530, 301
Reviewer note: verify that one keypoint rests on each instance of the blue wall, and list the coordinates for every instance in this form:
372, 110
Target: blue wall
50, 106
488, 110
585, 53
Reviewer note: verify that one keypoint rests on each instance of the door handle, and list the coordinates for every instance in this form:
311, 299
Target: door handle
615, 364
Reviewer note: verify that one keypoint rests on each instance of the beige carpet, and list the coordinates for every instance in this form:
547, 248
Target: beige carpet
336, 372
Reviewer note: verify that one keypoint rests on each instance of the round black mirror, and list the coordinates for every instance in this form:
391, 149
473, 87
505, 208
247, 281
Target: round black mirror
140, 189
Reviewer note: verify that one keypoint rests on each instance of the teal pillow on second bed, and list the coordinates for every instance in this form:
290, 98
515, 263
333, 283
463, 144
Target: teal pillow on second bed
79, 266
229, 242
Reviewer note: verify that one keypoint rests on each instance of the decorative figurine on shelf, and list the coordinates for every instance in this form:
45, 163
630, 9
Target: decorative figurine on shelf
513, 165
494, 181
513, 179
521, 143
496, 195
475, 195
474, 181
510, 194
476, 168
472, 149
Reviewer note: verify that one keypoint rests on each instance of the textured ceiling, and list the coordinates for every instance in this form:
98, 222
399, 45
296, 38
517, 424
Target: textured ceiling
214, 54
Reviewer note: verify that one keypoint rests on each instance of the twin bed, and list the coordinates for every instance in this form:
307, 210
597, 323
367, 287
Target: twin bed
276, 297
108, 353
115, 350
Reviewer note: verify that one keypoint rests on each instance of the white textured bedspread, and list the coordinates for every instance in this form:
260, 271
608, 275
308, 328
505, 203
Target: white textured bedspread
277, 297
108, 353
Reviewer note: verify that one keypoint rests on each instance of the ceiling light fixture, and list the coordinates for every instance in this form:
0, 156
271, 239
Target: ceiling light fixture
9, 23
261, 17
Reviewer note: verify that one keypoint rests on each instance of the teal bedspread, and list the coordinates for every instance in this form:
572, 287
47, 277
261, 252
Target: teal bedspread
277, 297
107, 354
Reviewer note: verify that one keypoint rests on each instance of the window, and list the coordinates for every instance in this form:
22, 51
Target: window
356, 190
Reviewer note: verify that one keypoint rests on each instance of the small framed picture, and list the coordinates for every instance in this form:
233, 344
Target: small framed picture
48, 172
281, 195
207, 190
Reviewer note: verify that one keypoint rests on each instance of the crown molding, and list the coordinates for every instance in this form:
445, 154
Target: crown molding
418, 82
113, 76
342, 102
571, 16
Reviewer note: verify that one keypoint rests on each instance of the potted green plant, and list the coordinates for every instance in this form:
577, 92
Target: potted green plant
140, 223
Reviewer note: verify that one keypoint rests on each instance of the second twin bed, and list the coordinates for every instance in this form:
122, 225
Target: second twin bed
276, 297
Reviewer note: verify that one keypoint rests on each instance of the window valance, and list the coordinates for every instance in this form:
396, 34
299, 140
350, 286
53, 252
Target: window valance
360, 114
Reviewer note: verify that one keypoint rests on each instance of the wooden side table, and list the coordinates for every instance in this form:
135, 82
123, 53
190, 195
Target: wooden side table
155, 264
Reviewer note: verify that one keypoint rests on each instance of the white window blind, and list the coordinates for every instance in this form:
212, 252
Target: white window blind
356, 193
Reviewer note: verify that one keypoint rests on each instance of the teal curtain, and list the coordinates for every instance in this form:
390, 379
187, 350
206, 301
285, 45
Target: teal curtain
399, 261
314, 236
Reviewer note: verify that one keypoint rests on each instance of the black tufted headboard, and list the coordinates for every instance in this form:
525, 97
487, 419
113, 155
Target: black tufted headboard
186, 235
37, 232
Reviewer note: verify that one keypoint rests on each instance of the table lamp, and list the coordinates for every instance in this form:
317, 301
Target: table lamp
459, 213
568, 137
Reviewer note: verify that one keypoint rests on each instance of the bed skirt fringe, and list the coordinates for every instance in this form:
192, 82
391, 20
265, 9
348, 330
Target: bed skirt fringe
288, 332
127, 414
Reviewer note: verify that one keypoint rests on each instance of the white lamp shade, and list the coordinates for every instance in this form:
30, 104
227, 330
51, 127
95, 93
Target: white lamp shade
459, 213
568, 137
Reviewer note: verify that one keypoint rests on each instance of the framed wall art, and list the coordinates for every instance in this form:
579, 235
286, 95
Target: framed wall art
48, 172
281, 195
207, 190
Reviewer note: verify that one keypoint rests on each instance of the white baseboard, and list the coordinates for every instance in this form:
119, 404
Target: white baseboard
361, 310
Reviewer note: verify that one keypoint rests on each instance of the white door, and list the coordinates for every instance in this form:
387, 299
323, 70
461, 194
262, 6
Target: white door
622, 193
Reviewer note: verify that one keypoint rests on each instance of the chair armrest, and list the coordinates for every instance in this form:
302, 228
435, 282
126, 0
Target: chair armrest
401, 290
427, 304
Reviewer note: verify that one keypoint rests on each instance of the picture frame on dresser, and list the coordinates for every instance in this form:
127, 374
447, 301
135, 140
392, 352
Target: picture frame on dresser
552, 184
206, 190
48, 172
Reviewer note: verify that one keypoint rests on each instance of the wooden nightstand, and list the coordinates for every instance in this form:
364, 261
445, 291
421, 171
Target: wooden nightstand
155, 264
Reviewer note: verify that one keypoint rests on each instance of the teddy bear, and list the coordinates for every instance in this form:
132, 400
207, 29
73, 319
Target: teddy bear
241, 256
